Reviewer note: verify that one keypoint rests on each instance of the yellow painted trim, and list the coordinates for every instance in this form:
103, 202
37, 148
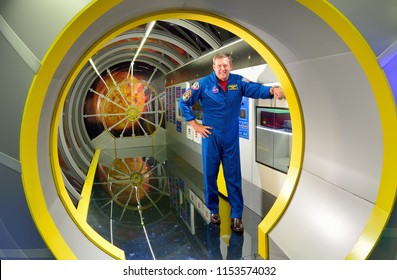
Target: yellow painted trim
84, 202
286, 82
225, 231
387, 110
39, 88
80, 220
279, 207
30, 172
29, 129
221, 181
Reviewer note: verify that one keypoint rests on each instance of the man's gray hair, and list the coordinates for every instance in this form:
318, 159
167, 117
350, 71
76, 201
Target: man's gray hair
222, 55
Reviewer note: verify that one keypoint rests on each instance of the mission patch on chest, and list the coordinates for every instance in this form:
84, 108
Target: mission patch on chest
232, 87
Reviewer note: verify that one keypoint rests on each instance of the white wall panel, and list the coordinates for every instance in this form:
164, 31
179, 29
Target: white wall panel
342, 125
322, 221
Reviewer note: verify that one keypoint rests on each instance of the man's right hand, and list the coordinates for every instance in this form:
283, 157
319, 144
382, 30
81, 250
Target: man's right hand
203, 130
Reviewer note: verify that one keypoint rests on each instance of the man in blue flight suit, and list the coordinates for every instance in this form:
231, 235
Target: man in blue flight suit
220, 95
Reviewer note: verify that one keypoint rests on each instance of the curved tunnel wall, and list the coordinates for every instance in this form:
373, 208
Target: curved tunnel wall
343, 160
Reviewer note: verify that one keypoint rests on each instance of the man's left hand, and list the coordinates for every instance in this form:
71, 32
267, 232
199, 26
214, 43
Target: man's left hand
278, 93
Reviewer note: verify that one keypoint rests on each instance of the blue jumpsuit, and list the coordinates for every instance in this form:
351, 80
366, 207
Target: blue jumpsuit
221, 111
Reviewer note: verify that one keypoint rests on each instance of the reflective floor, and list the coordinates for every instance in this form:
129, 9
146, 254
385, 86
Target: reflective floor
152, 208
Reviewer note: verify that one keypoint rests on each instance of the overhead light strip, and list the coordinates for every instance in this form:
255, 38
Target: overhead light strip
97, 72
149, 28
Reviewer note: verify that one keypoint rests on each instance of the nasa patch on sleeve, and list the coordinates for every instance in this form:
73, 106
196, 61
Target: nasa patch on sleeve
196, 86
186, 96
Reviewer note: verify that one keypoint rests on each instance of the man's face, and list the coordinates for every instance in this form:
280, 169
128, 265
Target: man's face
222, 68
